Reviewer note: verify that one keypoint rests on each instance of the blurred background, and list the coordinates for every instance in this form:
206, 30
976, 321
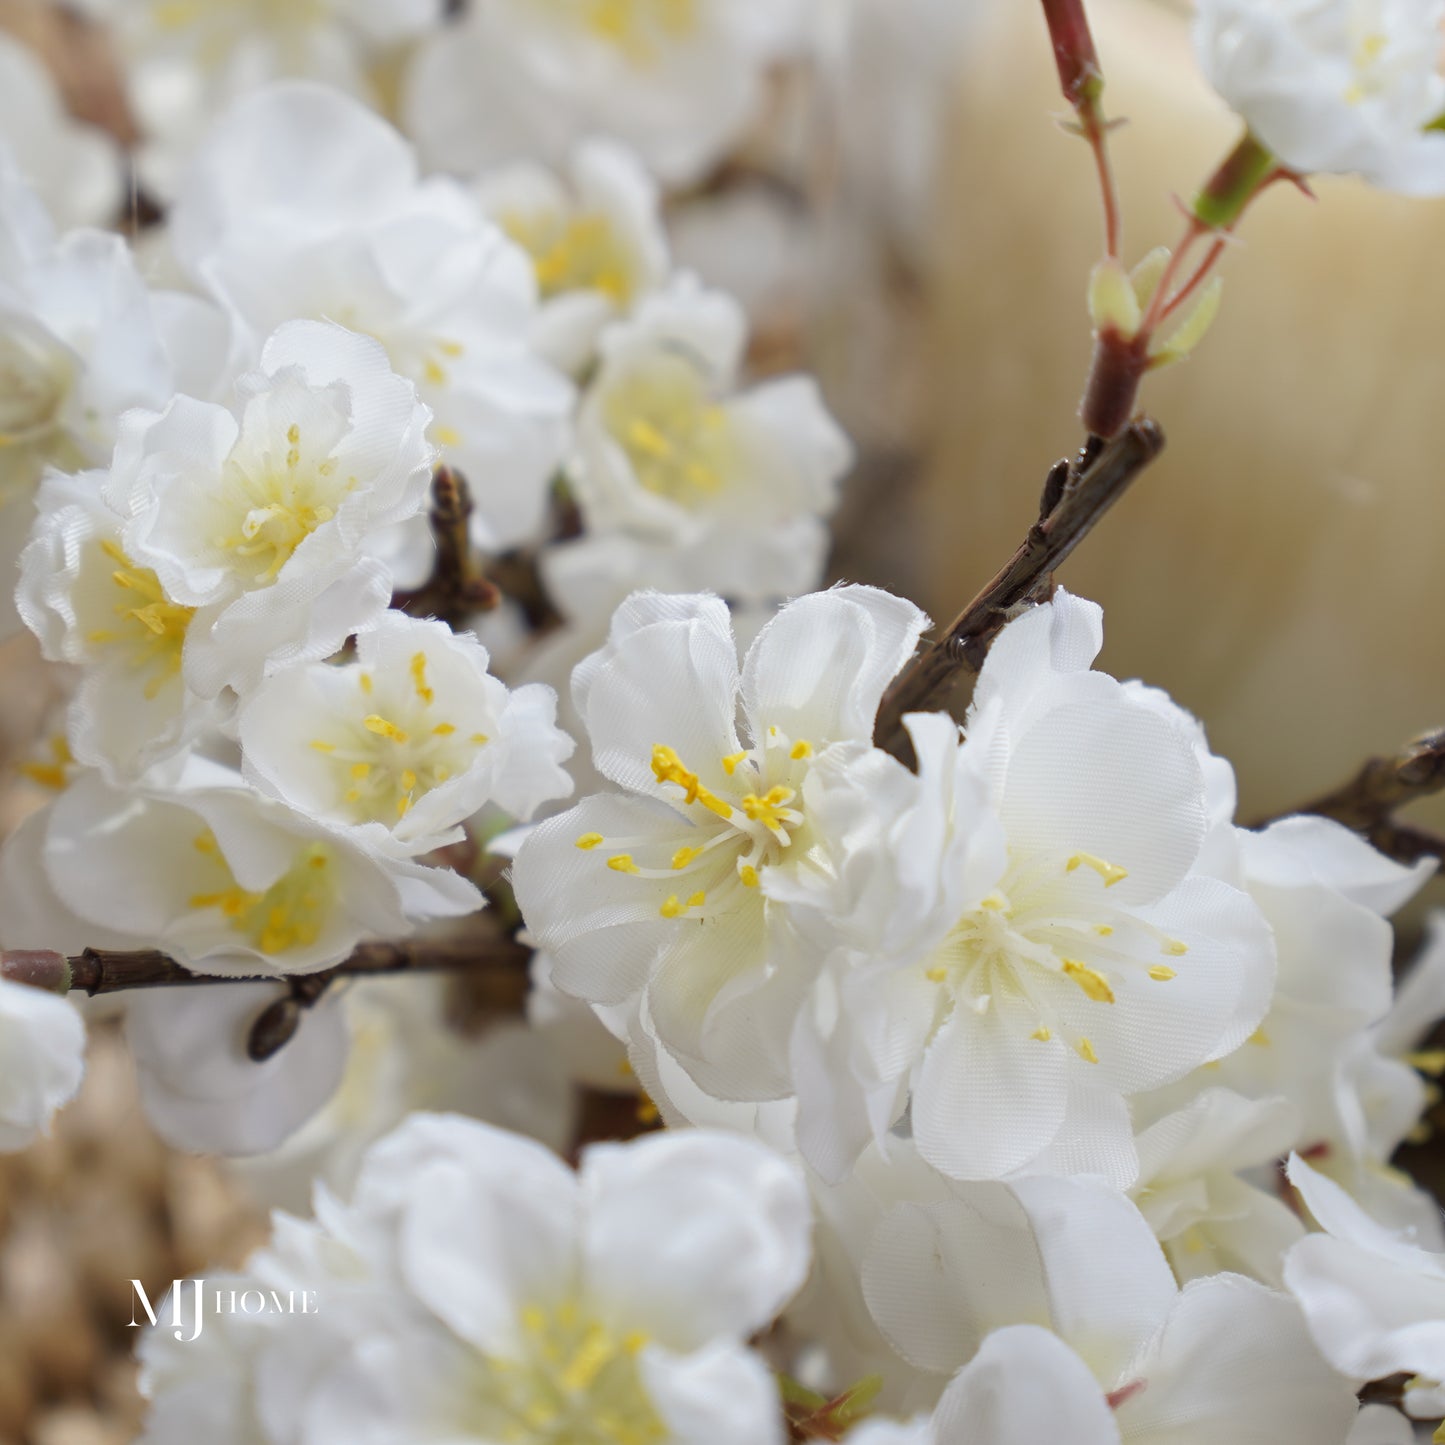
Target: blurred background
908, 223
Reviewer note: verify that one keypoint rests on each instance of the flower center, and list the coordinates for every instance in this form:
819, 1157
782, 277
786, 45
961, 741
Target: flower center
572, 1382
385, 761
289, 914
34, 380
274, 503
640, 29
733, 839
680, 443
573, 253
150, 629
1048, 930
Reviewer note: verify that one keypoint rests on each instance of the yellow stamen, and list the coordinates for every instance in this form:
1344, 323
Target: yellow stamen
622, 863
375, 723
1160, 974
732, 760
801, 749
1175, 949
322, 747
1094, 984
1043, 1034
1086, 1051
1428, 1061
749, 875
667, 767
1259, 1037
589, 840
672, 908
684, 856
364, 680
936, 975
418, 678
767, 810
1111, 873
443, 730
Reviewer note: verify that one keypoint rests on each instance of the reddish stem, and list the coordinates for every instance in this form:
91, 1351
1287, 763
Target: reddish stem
1096, 133
1193, 230
1193, 284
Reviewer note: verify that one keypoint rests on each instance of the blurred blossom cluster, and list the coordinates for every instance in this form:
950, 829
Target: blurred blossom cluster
429, 551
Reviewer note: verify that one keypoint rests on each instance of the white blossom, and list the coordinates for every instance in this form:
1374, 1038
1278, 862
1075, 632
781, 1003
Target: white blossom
1334, 85
1030, 939
663, 892
1375, 1300
732, 485
225, 881
75, 168
475, 1287
1327, 895
82, 341
92, 606
1191, 1188
595, 237
260, 516
186, 60
404, 743
302, 203
1054, 1299
677, 80
201, 1089
42, 1058
404, 1051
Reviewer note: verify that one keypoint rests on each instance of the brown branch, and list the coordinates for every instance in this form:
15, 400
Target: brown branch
1369, 801
1075, 498
495, 960
456, 588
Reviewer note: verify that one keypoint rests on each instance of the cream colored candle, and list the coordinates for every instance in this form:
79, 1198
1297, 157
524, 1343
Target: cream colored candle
1282, 569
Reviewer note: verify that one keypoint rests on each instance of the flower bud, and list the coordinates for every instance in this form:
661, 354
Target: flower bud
1113, 305
1191, 331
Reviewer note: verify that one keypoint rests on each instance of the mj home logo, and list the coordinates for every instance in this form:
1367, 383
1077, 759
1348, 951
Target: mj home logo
225, 1302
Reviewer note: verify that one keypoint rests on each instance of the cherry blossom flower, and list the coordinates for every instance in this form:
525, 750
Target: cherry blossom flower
595, 238
1375, 1300
82, 342
403, 744
731, 487
1208, 1218
225, 881
1340, 86
187, 60
42, 1043
1030, 938
475, 1286
201, 1089
91, 605
262, 514
664, 890
302, 203
677, 80
1052, 1302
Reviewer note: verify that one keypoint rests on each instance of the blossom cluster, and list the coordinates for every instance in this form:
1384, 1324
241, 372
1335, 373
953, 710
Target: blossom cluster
1014, 1090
